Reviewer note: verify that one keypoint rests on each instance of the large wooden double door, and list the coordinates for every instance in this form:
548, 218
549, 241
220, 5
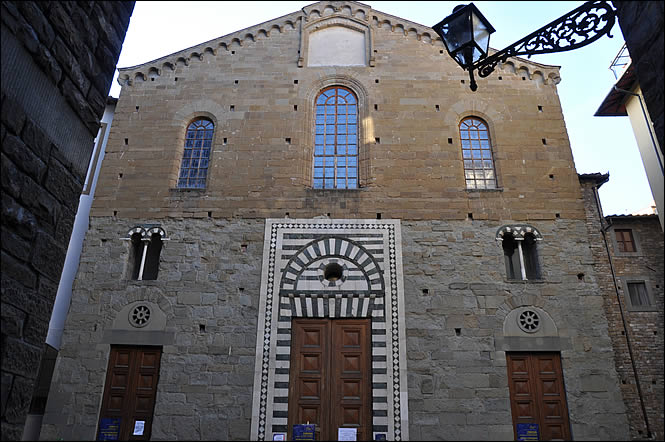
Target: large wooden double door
330, 376
129, 393
537, 394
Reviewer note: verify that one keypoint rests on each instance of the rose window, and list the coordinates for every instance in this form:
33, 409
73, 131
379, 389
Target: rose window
139, 316
529, 321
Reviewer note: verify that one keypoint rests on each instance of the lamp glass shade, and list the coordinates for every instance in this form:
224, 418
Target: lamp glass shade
466, 34
481, 36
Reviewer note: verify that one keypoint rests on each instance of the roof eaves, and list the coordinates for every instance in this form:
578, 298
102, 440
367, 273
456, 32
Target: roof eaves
614, 104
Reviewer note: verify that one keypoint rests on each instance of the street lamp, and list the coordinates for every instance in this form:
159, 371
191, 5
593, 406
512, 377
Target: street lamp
466, 35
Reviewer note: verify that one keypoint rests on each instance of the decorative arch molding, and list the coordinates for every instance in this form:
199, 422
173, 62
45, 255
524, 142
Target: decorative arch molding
298, 247
120, 311
352, 12
113, 302
146, 231
331, 246
516, 318
473, 107
312, 25
365, 128
539, 73
203, 108
518, 231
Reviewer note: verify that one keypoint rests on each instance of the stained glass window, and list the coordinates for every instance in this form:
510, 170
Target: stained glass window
336, 139
196, 156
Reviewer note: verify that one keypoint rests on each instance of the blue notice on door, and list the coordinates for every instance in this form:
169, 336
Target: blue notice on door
528, 432
304, 431
109, 428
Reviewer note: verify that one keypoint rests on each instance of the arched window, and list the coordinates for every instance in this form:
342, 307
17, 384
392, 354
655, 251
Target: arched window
520, 251
336, 142
520, 255
195, 158
145, 249
477, 154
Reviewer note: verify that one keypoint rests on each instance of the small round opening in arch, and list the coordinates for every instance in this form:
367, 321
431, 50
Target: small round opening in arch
333, 271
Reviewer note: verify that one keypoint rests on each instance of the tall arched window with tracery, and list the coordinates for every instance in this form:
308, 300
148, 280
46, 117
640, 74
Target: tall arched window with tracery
196, 156
477, 154
336, 139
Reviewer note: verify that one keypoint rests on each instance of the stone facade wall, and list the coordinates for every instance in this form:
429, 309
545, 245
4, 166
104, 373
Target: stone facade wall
206, 278
457, 383
412, 97
411, 102
642, 28
644, 328
454, 278
58, 59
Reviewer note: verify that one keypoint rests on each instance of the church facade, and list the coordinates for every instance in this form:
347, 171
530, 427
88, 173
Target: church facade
315, 221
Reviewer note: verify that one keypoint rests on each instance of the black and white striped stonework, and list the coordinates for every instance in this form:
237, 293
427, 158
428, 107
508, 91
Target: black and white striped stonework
367, 289
305, 294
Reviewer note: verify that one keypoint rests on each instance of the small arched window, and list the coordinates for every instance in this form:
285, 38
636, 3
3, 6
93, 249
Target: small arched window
521, 258
145, 256
336, 139
477, 154
196, 156
145, 249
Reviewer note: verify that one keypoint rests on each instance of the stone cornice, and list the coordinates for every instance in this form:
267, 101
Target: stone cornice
306, 17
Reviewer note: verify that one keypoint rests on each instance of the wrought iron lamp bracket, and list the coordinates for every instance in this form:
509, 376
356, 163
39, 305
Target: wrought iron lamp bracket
574, 30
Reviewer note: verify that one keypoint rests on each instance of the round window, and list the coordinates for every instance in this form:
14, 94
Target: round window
529, 321
333, 272
139, 316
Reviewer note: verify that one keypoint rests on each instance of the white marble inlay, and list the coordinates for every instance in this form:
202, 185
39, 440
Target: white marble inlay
367, 241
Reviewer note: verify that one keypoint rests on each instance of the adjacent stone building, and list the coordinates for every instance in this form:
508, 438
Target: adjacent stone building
314, 220
58, 60
628, 251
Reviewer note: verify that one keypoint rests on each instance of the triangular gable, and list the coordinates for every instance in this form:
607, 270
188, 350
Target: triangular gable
360, 12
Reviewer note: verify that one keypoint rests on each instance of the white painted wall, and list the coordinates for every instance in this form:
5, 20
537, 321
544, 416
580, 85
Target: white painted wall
652, 157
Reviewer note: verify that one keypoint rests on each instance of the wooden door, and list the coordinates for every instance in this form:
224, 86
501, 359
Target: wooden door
330, 383
537, 394
130, 390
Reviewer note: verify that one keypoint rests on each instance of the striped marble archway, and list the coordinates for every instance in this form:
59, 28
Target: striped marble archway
296, 253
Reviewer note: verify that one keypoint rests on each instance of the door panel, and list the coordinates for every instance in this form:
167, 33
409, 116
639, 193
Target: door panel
351, 371
330, 376
308, 392
131, 387
537, 394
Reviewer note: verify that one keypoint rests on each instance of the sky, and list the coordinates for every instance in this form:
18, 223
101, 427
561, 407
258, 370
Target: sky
599, 144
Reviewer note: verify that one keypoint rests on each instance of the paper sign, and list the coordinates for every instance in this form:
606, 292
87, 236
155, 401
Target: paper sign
527, 432
279, 436
347, 433
138, 428
109, 429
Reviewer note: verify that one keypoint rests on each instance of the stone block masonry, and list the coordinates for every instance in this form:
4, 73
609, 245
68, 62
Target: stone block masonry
58, 59
207, 279
460, 311
456, 299
640, 374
